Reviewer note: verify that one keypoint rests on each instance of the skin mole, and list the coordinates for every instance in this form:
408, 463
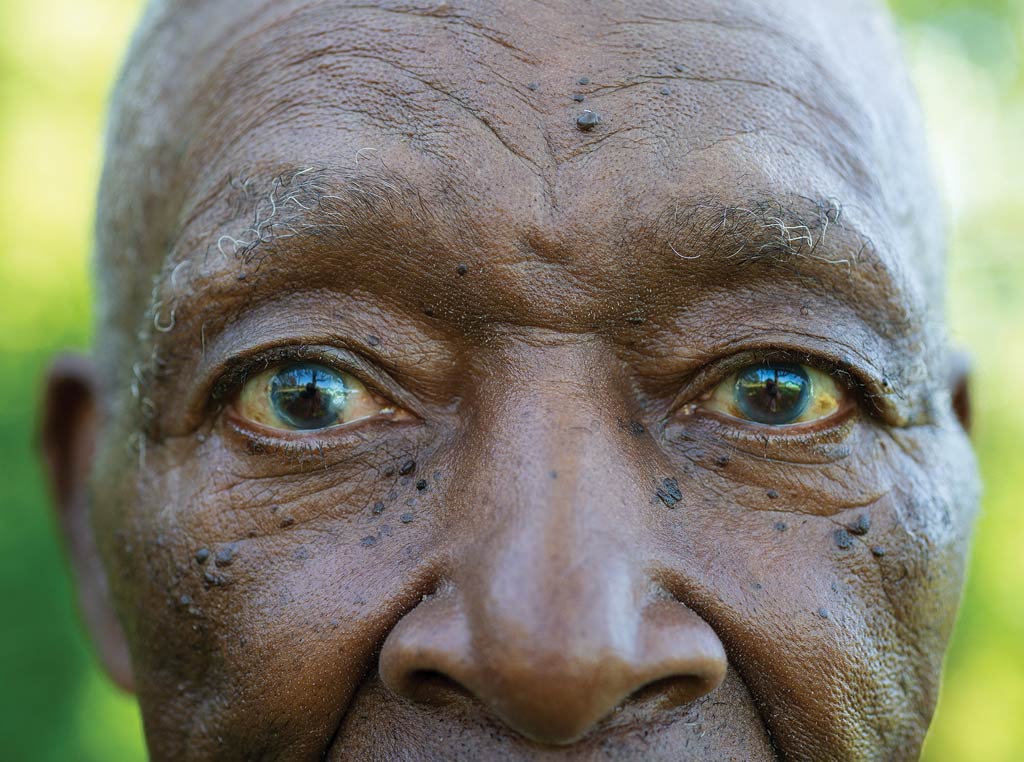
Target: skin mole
214, 579
587, 120
668, 492
225, 556
569, 279
842, 539
860, 526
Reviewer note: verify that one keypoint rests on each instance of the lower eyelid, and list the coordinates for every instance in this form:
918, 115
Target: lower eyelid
790, 430
304, 439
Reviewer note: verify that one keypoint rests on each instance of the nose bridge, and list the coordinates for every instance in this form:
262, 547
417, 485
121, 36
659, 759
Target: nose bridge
558, 569
555, 559
558, 596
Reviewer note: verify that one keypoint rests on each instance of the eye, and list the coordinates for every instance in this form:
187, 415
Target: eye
307, 396
777, 394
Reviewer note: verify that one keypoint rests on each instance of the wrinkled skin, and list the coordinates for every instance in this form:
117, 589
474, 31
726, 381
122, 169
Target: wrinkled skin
403, 190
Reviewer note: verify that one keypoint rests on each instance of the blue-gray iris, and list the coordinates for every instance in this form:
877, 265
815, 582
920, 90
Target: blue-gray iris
308, 396
773, 393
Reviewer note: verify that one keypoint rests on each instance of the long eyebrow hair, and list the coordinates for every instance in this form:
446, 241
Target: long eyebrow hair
265, 208
762, 229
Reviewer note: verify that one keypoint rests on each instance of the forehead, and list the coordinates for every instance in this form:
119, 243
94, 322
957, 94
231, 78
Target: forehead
751, 115
480, 102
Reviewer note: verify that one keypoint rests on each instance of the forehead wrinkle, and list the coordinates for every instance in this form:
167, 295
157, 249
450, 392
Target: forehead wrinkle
340, 61
523, 133
653, 47
526, 132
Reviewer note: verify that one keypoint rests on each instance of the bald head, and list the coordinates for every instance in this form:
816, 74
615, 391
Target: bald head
549, 381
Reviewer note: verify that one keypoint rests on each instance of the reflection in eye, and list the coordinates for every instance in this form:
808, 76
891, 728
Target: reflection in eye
776, 394
305, 396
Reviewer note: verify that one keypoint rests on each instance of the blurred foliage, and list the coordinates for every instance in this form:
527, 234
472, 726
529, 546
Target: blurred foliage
57, 60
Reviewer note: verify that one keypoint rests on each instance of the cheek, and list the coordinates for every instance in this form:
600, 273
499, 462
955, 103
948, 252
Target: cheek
268, 585
932, 509
837, 617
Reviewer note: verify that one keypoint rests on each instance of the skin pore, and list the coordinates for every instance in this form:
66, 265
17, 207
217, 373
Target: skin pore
559, 541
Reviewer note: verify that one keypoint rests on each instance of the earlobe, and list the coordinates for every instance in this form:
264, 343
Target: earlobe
69, 427
959, 387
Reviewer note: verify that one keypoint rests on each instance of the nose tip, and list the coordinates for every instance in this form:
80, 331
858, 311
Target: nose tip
552, 691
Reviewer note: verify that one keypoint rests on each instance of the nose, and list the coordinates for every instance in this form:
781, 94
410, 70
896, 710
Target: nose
548, 617
553, 677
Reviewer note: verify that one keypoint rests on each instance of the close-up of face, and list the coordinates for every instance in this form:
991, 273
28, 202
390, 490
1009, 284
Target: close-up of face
517, 381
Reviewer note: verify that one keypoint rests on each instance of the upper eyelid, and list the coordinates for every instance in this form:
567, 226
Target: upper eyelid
721, 369
238, 371
707, 378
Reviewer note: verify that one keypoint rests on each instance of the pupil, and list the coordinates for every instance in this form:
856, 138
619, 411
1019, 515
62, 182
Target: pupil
773, 393
308, 396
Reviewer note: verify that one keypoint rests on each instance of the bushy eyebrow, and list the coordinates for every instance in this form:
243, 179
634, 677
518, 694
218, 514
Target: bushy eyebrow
809, 239
253, 213
762, 229
806, 240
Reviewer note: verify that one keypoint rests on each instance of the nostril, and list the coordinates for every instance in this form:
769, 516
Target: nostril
429, 686
425, 658
673, 691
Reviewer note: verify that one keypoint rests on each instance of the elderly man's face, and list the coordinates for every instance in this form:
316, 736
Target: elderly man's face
520, 382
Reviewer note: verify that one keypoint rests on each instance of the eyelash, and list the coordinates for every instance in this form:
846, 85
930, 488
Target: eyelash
231, 381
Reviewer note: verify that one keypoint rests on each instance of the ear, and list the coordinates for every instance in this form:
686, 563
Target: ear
68, 438
959, 387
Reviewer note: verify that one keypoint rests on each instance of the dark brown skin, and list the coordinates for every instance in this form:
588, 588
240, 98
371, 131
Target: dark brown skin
403, 191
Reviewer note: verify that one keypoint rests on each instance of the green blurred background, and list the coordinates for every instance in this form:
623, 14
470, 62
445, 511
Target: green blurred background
57, 60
